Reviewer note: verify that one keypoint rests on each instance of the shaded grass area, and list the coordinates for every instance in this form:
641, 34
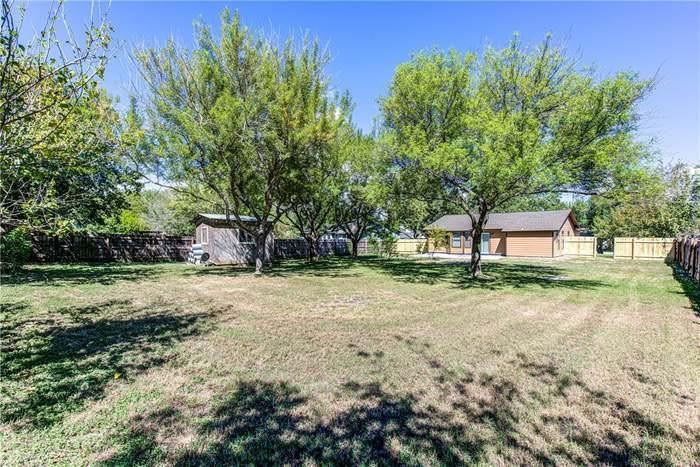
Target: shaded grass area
498, 275
264, 422
690, 288
391, 362
84, 273
51, 366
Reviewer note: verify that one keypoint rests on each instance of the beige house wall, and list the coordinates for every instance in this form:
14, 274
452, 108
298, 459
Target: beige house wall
497, 244
567, 230
529, 244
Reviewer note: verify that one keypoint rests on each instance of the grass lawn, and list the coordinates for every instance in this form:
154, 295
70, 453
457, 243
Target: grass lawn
368, 361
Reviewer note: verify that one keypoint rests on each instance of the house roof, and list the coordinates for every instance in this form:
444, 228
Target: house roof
222, 217
508, 221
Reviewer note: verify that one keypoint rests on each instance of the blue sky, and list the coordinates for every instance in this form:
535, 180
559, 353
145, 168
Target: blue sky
368, 40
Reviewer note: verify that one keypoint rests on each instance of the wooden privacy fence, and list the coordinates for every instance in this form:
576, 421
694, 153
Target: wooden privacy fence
642, 248
298, 248
146, 246
407, 246
580, 246
687, 254
404, 246
150, 246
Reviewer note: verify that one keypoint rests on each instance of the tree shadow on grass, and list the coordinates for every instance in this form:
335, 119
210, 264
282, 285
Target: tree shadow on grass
497, 275
335, 267
54, 363
83, 273
690, 288
534, 412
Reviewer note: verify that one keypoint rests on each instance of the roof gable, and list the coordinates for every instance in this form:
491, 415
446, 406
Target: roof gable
509, 221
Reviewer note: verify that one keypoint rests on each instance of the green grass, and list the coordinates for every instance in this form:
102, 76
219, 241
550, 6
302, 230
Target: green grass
351, 362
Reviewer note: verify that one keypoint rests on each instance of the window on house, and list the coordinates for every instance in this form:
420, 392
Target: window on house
456, 240
204, 235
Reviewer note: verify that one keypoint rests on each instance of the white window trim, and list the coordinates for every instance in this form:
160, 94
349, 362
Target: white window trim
203, 231
456, 236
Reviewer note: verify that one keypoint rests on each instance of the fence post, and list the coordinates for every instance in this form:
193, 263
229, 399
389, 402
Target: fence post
595, 247
632, 247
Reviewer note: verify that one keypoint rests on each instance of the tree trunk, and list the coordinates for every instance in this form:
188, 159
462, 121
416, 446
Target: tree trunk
354, 242
260, 240
475, 264
312, 254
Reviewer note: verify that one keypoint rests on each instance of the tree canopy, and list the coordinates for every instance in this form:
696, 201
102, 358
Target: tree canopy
59, 158
241, 117
509, 124
663, 205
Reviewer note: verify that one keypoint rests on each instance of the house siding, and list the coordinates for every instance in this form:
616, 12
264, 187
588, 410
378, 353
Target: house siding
529, 244
497, 244
567, 230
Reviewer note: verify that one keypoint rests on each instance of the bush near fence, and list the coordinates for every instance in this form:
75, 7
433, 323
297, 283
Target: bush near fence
145, 246
687, 254
290, 248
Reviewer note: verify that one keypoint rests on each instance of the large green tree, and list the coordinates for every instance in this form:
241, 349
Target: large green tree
59, 159
662, 205
360, 207
510, 123
314, 200
413, 201
74, 179
240, 117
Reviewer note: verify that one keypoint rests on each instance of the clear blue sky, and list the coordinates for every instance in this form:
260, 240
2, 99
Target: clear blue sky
368, 40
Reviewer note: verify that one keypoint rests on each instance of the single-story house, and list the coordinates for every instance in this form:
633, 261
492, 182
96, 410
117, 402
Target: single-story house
225, 242
538, 233
334, 235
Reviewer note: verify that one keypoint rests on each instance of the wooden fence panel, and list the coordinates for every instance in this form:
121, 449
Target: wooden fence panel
580, 246
687, 254
642, 248
407, 246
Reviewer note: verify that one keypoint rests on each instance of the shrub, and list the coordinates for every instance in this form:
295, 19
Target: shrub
439, 238
374, 245
15, 249
389, 245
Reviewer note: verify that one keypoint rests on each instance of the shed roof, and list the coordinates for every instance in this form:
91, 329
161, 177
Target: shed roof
223, 218
509, 221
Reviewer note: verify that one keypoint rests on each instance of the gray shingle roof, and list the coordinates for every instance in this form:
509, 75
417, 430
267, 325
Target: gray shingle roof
507, 221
